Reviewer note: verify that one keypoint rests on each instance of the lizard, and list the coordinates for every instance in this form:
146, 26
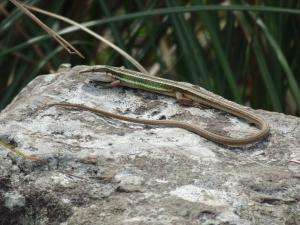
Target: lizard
185, 95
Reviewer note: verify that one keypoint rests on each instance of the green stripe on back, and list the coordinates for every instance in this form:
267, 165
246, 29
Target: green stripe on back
145, 84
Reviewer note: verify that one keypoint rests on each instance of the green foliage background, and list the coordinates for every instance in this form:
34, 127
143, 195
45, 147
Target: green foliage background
248, 52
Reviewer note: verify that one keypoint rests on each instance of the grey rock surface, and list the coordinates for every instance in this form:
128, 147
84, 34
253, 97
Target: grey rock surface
98, 170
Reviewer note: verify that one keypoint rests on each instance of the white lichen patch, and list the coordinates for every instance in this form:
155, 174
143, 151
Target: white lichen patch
61, 180
183, 142
239, 128
161, 181
57, 179
193, 193
129, 182
13, 199
198, 111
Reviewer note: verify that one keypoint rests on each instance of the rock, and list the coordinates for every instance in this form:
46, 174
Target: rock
98, 170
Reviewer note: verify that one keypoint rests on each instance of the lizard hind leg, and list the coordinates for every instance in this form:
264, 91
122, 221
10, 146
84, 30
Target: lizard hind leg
114, 83
183, 100
188, 102
104, 85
